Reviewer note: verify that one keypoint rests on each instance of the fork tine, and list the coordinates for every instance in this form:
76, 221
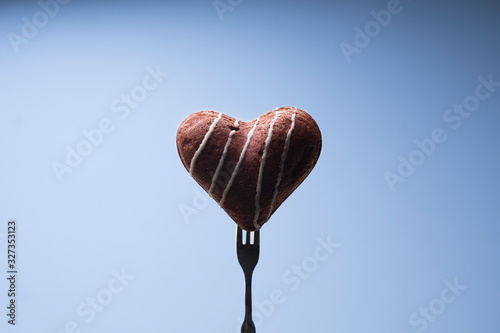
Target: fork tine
256, 237
239, 233
247, 241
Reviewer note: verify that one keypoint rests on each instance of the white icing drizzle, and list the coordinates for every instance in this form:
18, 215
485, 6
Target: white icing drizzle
237, 167
261, 169
223, 157
282, 162
203, 143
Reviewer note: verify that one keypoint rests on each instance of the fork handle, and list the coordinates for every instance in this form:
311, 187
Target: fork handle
248, 325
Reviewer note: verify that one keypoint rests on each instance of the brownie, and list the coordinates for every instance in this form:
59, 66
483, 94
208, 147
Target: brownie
249, 168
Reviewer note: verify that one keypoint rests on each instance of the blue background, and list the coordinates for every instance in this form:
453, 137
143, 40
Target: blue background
120, 210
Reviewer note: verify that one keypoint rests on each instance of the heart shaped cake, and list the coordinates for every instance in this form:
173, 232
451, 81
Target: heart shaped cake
249, 168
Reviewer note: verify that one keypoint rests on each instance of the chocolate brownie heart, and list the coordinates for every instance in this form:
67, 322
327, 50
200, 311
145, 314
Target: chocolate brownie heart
249, 168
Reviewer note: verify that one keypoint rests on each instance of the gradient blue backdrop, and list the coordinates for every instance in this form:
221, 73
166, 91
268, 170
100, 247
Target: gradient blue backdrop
120, 210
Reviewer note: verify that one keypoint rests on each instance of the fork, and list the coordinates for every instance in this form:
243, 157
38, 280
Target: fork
248, 256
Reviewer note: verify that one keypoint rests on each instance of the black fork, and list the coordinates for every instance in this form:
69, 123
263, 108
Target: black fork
248, 256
